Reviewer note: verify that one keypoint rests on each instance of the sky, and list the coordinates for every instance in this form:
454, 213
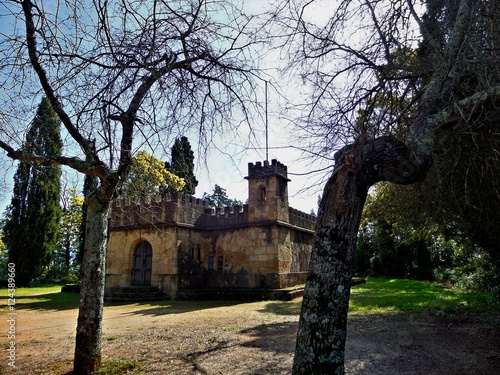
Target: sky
227, 162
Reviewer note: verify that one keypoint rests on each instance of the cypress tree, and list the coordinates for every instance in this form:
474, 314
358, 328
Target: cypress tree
33, 216
183, 164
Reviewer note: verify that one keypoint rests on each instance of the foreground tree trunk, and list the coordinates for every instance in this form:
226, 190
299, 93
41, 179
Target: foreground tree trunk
87, 358
322, 327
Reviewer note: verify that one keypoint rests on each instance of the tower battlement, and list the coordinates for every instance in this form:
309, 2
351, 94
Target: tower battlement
265, 169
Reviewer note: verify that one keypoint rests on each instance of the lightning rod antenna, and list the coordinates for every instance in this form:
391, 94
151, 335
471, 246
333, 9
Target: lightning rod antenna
267, 135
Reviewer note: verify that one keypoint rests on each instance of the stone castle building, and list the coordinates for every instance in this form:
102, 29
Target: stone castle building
178, 243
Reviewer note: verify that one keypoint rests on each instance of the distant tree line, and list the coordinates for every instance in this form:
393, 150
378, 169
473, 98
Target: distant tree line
219, 198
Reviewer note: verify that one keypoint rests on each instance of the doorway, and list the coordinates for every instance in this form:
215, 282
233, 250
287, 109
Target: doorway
142, 264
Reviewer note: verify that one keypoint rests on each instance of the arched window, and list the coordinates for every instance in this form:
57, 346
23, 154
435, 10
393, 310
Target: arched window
262, 193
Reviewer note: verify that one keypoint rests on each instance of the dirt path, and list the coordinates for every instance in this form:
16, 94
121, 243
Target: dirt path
253, 338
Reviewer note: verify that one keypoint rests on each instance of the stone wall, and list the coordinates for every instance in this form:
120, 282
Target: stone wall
120, 257
249, 259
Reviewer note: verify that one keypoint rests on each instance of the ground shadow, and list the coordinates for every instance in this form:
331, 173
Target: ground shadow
288, 308
60, 301
275, 337
159, 308
48, 301
263, 349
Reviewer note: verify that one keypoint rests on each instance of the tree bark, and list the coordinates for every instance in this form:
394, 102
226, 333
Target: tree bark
322, 327
87, 359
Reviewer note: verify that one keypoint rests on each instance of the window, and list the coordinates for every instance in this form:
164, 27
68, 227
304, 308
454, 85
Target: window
262, 193
220, 262
211, 261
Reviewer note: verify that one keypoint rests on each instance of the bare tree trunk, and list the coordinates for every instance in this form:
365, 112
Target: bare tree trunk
322, 327
326, 298
67, 254
87, 358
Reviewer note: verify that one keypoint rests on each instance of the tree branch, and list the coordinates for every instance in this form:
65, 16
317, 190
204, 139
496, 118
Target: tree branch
73, 162
86, 145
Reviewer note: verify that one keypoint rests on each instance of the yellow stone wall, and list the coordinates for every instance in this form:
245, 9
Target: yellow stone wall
120, 257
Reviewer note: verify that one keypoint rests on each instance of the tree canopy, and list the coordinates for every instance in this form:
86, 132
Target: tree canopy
66, 259
219, 198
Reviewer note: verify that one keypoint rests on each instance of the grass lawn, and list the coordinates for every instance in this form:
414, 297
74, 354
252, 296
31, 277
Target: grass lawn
377, 295
381, 295
44, 298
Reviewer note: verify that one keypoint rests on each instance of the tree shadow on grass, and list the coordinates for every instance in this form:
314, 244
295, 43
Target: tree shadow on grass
288, 308
48, 301
59, 301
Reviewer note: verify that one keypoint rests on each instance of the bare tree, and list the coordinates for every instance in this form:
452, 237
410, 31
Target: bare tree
388, 81
120, 75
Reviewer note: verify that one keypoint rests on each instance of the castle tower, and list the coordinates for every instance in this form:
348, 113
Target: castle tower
268, 191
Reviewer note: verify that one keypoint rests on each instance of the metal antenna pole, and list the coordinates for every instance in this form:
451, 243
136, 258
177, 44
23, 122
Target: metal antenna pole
267, 135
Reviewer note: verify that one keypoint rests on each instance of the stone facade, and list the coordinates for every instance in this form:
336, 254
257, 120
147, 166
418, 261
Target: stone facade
177, 242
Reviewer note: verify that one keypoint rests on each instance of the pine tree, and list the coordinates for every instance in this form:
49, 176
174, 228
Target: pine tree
33, 216
183, 164
219, 198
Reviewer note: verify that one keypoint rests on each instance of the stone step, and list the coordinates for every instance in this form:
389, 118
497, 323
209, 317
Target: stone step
134, 294
239, 294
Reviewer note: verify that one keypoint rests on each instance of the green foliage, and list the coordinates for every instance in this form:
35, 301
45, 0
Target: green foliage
427, 242
31, 227
182, 165
363, 254
383, 251
148, 176
64, 259
219, 198
71, 278
4, 258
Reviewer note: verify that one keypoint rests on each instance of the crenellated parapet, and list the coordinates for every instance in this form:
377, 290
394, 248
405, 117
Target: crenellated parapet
268, 203
301, 219
174, 209
157, 209
259, 169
